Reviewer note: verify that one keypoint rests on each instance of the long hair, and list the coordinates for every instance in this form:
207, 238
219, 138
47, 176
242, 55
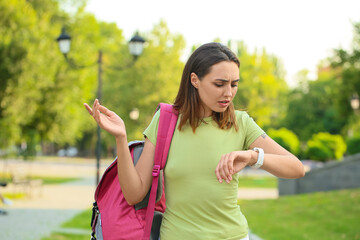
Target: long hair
187, 101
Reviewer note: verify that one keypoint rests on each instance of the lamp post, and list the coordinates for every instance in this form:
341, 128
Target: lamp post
354, 102
136, 46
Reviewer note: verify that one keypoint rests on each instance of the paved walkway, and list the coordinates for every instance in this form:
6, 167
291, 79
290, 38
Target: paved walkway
51, 205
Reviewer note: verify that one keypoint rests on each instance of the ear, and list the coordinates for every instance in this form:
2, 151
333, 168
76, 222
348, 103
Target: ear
194, 80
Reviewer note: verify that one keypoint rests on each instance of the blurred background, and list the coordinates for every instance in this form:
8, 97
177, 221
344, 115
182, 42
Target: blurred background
299, 80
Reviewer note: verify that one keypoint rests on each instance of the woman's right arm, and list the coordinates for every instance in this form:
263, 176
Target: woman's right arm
135, 181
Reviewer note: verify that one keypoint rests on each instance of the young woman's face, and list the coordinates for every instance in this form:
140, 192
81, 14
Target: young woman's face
217, 88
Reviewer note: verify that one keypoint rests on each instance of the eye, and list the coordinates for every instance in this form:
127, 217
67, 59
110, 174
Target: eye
234, 85
218, 85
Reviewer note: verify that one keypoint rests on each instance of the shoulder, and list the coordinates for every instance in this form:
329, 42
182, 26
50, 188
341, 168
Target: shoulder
244, 120
241, 115
155, 118
151, 131
157, 114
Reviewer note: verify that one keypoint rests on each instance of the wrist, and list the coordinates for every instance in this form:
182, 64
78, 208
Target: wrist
253, 157
121, 138
260, 157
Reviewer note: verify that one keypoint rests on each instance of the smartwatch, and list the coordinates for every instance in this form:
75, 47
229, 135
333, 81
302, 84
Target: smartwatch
260, 160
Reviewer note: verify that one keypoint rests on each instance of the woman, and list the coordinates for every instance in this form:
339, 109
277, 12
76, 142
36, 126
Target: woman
211, 143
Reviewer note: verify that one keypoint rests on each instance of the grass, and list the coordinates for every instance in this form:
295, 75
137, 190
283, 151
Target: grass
46, 179
257, 182
54, 180
14, 195
66, 236
324, 215
80, 221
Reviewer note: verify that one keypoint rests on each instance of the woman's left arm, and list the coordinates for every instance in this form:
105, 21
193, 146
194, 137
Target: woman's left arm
277, 160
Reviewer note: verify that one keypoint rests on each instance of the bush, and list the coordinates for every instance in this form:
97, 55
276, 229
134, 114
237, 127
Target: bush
325, 146
353, 145
286, 138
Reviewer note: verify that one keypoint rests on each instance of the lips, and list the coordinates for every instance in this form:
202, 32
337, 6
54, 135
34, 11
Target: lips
224, 103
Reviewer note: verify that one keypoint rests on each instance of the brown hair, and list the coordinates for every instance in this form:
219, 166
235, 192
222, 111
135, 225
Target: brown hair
188, 102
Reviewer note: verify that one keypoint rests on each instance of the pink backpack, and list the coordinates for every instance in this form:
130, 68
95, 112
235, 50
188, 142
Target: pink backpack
113, 218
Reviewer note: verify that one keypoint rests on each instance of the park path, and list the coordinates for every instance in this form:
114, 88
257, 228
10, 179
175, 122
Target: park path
48, 206
34, 217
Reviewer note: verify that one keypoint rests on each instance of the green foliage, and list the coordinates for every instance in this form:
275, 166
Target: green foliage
262, 88
12, 53
42, 96
311, 107
326, 215
32, 146
286, 138
154, 78
40, 100
325, 146
353, 145
346, 65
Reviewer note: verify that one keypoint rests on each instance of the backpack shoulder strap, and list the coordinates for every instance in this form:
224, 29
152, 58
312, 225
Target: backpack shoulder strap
167, 124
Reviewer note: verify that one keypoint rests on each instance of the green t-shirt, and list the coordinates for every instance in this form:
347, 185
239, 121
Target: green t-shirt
197, 205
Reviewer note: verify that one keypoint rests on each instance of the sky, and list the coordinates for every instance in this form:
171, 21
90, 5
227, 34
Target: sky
300, 33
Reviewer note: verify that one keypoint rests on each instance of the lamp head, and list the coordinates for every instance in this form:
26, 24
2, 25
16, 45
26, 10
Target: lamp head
354, 102
64, 41
136, 45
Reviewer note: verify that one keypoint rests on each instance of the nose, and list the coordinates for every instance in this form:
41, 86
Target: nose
228, 92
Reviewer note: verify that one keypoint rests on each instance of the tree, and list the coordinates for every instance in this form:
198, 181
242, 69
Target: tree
154, 78
24, 73
262, 87
346, 64
40, 99
311, 107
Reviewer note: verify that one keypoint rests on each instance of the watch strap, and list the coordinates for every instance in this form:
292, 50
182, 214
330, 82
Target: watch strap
260, 160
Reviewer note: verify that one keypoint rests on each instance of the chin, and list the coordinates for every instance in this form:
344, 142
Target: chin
220, 110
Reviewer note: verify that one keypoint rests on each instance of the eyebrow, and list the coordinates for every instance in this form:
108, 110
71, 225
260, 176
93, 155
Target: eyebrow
224, 80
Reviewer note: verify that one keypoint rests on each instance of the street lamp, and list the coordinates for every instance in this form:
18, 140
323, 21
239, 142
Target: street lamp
134, 114
354, 102
136, 46
64, 41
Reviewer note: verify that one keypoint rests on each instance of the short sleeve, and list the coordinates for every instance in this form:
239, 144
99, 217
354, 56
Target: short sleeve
251, 129
151, 131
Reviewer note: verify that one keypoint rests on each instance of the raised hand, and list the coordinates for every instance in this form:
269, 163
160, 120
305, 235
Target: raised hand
107, 120
232, 163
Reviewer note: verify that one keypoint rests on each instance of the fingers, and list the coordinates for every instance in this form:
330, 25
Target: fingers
88, 108
217, 173
96, 100
105, 111
95, 110
224, 169
96, 114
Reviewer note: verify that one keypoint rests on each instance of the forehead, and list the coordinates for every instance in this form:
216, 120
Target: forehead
225, 70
